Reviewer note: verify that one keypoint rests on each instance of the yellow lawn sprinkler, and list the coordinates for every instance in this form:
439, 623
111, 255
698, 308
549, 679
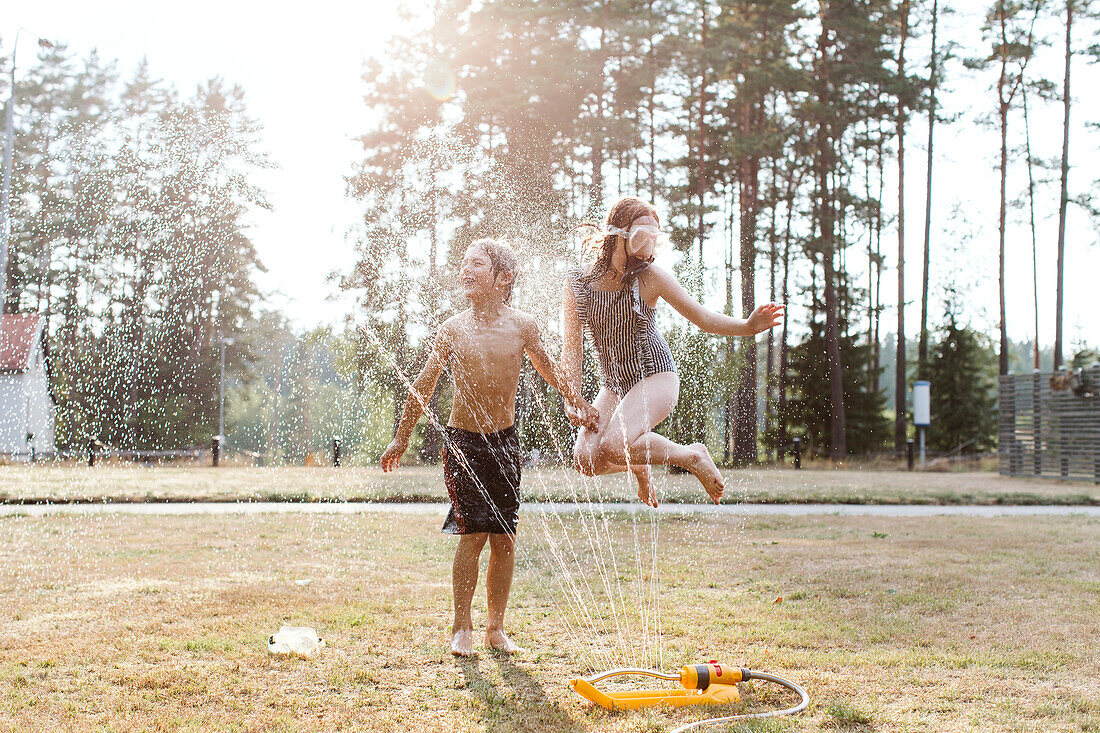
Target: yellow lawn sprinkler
704, 684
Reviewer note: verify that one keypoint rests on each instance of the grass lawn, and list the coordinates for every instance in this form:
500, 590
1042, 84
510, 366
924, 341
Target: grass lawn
41, 483
933, 624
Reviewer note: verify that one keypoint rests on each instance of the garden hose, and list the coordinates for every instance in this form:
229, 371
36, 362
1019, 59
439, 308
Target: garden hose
750, 675
703, 684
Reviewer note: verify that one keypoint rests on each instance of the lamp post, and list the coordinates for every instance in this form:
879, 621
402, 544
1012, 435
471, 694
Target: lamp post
222, 342
5, 197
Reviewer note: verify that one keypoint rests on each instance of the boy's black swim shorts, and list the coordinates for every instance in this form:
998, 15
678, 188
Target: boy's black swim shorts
482, 474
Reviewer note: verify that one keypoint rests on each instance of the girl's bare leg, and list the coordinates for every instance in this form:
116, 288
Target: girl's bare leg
586, 452
629, 437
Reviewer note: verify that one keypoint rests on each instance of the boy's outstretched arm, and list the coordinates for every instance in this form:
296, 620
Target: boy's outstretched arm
764, 317
585, 414
418, 397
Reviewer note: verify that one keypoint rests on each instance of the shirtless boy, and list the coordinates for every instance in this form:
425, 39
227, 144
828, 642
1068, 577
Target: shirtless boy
484, 346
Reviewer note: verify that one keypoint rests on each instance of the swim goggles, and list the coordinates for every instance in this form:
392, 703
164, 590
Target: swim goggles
641, 244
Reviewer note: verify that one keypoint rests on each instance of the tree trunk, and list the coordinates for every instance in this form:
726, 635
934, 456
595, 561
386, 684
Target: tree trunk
1001, 238
870, 246
877, 355
651, 118
922, 350
730, 342
748, 180
595, 193
827, 223
781, 413
1003, 102
773, 257
700, 148
1034, 235
900, 424
1063, 199
832, 354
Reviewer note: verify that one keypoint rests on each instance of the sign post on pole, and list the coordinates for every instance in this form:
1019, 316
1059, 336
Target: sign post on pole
922, 411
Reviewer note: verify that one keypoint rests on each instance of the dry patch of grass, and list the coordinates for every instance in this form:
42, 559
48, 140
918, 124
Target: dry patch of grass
42, 483
944, 624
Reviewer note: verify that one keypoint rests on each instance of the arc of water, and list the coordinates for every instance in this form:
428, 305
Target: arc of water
584, 523
618, 606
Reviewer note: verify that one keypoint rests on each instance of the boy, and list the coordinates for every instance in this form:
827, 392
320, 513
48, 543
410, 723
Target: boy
484, 346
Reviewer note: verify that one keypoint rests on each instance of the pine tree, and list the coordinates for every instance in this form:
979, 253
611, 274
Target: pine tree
963, 375
1010, 30
758, 36
399, 184
848, 82
809, 400
128, 233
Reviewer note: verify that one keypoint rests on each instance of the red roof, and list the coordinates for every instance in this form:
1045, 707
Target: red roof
17, 337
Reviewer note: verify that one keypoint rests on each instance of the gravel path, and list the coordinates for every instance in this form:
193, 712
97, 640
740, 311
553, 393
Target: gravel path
266, 507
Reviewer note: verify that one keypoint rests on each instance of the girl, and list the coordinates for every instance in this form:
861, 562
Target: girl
614, 299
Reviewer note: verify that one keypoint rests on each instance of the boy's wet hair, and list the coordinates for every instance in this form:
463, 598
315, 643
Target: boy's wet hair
502, 258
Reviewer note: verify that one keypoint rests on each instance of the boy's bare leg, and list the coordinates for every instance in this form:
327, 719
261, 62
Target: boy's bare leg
464, 582
498, 583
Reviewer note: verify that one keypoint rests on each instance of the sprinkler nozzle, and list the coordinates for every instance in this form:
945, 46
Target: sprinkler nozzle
702, 676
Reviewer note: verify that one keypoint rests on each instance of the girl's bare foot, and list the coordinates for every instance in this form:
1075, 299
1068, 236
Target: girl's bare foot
708, 474
462, 643
497, 640
647, 493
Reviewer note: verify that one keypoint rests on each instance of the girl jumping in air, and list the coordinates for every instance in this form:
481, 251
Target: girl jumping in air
613, 298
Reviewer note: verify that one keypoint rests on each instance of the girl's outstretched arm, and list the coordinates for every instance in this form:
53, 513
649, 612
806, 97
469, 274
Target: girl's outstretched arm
666, 286
572, 357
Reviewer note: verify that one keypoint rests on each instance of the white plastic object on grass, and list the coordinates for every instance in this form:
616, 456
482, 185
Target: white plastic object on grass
296, 641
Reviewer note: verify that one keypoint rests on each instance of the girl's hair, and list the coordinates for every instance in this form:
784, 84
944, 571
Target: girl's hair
502, 258
602, 244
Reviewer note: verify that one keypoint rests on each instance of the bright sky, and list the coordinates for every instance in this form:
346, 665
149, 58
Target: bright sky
300, 70
301, 74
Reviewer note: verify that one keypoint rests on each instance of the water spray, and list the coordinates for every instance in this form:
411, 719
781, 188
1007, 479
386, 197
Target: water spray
703, 684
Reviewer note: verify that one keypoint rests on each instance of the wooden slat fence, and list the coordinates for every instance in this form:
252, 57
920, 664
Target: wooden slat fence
1050, 424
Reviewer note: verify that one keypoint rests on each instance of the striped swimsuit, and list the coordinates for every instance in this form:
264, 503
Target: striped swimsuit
624, 332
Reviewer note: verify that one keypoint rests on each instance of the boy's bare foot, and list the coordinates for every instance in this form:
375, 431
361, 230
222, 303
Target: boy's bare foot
462, 643
499, 641
646, 491
708, 474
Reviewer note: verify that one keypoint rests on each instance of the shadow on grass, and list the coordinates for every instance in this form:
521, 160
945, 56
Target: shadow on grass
522, 706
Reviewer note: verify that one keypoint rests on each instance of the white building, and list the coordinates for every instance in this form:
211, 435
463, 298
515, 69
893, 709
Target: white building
26, 407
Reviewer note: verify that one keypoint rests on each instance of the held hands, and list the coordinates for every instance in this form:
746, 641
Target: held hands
391, 458
766, 316
583, 415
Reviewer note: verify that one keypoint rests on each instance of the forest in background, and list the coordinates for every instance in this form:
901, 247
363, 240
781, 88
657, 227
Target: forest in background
765, 132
